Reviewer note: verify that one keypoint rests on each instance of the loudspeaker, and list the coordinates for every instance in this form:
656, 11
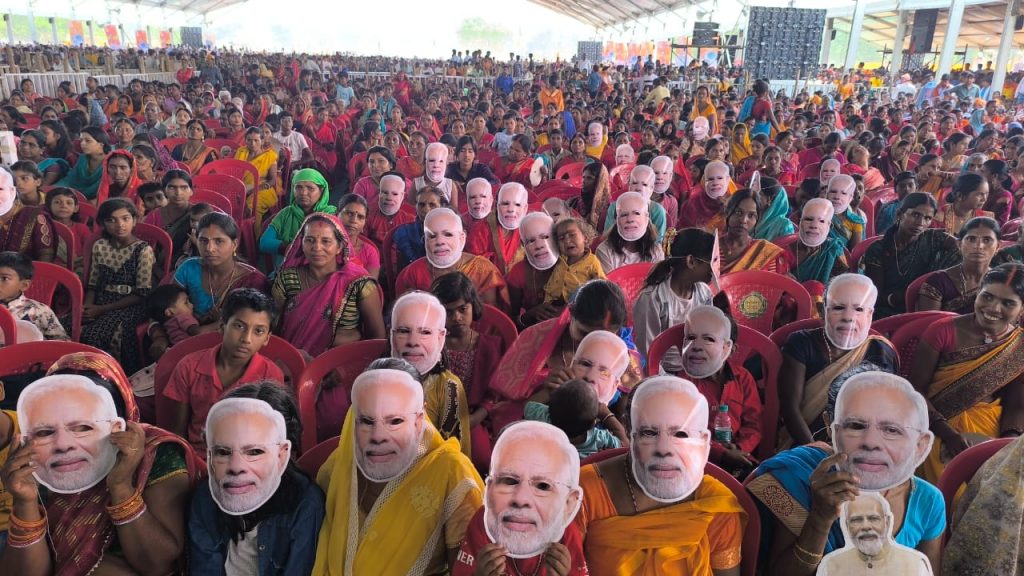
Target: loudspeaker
783, 42
923, 30
1018, 24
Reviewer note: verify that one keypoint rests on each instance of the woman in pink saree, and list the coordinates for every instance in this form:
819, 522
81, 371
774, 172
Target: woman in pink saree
326, 299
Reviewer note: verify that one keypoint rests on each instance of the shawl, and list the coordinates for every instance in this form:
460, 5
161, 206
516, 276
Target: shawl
129, 192
775, 220
79, 177
818, 266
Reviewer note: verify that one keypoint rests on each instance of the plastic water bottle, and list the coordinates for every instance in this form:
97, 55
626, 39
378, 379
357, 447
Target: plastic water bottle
723, 425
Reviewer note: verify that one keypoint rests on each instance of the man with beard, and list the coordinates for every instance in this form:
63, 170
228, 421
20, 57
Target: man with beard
417, 336
497, 236
479, 200
868, 523
642, 180
391, 461
708, 340
433, 175
386, 213
527, 277
531, 496
628, 499
256, 499
880, 435
445, 241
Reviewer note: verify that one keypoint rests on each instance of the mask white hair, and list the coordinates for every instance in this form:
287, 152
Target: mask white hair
626, 196
438, 147
883, 504
642, 173
830, 162
236, 406
372, 378
530, 431
822, 203
532, 217
672, 385
625, 149
883, 380
716, 314
475, 183
392, 178
423, 301
59, 383
661, 160
859, 280
512, 188
442, 212
621, 360
843, 182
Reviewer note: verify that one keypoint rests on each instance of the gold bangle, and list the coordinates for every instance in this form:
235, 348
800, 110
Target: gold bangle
128, 510
800, 553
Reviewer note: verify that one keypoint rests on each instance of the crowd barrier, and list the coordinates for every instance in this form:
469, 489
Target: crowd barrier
46, 82
460, 81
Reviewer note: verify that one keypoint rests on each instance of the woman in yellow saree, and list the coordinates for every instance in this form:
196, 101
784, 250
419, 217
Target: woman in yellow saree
741, 147
740, 251
971, 370
265, 161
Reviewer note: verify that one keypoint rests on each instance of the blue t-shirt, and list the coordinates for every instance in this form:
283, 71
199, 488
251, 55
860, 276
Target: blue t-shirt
597, 438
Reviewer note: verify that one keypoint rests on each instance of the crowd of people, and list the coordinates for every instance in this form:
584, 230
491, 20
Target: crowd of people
565, 383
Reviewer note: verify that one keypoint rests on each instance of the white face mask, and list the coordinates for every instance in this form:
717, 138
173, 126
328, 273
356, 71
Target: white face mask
663, 179
707, 350
539, 244
444, 242
848, 321
631, 219
594, 137
437, 163
511, 210
814, 227
716, 185
480, 204
8, 193
690, 455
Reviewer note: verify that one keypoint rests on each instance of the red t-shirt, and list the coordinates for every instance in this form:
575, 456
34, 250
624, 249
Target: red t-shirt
476, 538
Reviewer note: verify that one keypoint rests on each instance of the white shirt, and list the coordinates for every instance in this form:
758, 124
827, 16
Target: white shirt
243, 556
294, 142
659, 308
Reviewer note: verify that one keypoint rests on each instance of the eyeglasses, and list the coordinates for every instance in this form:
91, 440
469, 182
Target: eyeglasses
857, 429
392, 423
505, 484
649, 436
45, 435
254, 453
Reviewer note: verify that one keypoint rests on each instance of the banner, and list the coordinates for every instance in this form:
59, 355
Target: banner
77, 31
165, 38
113, 38
141, 40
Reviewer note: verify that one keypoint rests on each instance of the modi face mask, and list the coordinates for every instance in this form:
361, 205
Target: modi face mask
8, 193
840, 192
418, 330
532, 493
815, 222
706, 342
479, 198
632, 216
512, 204
69, 420
392, 194
535, 232
701, 127
716, 180
443, 238
595, 135
849, 304
601, 360
437, 161
641, 179
247, 455
662, 166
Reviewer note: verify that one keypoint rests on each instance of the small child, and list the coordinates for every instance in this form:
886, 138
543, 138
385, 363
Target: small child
16, 271
195, 213
574, 408
29, 181
503, 139
576, 263
152, 195
169, 305
62, 204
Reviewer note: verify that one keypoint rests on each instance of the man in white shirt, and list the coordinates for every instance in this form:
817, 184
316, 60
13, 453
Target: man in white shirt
294, 141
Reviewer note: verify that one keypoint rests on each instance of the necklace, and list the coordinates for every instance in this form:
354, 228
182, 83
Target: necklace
828, 346
567, 362
536, 571
896, 247
990, 339
223, 291
629, 485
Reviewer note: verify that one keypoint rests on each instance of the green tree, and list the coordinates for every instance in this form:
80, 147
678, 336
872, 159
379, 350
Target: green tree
477, 33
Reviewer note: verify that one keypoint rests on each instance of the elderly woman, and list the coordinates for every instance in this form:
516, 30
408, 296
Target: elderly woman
32, 148
265, 160
194, 153
465, 167
969, 368
907, 251
326, 299
88, 170
310, 194
740, 251
132, 519
816, 362
173, 218
147, 164
955, 289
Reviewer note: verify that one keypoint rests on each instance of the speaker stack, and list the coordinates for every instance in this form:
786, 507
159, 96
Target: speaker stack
782, 42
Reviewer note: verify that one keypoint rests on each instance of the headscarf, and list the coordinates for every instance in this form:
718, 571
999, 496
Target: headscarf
740, 146
976, 121
568, 125
295, 257
103, 191
107, 368
288, 222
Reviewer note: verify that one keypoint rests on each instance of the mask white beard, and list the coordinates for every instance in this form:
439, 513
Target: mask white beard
870, 547
813, 242
631, 236
527, 546
510, 226
445, 263
242, 504
668, 493
844, 341
841, 208
662, 188
5, 207
702, 370
482, 212
545, 262
716, 191
436, 176
81, 480
386, 473
392, 212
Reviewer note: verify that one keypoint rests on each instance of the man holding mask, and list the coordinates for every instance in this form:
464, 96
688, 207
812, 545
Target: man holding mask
391, 461
445, 241
497, 236
531, 496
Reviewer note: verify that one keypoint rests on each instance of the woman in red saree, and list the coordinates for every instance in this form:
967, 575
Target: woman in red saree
322, 137
152, 479
325, 298
120, 178
403, 90
860, 164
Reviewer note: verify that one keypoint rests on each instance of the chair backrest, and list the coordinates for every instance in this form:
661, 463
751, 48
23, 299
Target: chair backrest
631, 279
754, 296
348, 361
311, 460
869, 205
162, 246
962, 468
389, 264
44, 284
277, 350
66, 236
226, 185
171, 143
31, 355
497, 323
859, 250
556, 189
233, 167
8, 327
218, 143
906, 338
215, 199
786, 241
888, 326
810, 171
573, 172
914, 289
1011, 230
355, 167
779, 336
752, 532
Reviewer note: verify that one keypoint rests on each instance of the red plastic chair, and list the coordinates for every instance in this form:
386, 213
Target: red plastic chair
162, 245
786, 241
171, 143
752, 533
348, 361
749, 342
233, 167
215, 199
859, 250
218, 143
226, 185
754, 295
913, 290
779, 336
311, 460
1011, 230
497, 323
810, 171
869, 205
389, 264
27, 356
44, 284
556, 189
8, 327
65, 235
278, 350
906, 338
486, 156
572, 172
631, 279
356, 166
888, 326
962, 468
